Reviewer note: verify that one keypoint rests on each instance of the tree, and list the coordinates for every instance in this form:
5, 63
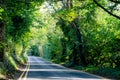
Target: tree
112, 8
16, 21
2, 38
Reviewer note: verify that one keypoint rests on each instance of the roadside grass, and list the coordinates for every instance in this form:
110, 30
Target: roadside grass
2, 71
11, 65
108, 72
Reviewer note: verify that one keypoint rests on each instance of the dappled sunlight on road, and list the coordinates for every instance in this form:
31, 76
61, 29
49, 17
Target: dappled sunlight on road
43, 70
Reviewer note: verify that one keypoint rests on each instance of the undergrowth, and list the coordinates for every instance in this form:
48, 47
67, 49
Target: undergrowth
11, 63
108, 72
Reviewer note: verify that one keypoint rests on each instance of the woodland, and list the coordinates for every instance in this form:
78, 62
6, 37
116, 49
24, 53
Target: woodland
79, 34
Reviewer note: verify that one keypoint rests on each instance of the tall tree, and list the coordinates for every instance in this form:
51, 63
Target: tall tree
2, 37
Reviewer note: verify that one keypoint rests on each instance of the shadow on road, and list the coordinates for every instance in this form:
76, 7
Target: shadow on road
40, 69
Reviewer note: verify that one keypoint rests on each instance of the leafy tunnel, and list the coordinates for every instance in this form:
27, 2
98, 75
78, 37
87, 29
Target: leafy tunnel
68, 32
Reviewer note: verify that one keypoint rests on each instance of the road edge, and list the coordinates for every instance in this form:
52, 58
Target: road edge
104, 78
25, 72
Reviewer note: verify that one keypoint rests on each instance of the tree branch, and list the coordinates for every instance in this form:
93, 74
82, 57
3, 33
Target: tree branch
115, 1
118, 17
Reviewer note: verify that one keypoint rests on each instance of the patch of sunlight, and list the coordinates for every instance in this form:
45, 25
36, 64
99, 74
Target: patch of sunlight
2, 77
59, 78
101, 16
13, 62
58, 70
117, 34
62, 63
67, 57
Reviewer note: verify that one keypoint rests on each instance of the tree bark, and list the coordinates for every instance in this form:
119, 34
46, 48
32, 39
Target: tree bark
69, 4
2, 37
80, 47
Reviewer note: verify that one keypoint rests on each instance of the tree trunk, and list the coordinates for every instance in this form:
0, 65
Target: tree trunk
2, 37
23, 50
80, 47
69, 4
63, 50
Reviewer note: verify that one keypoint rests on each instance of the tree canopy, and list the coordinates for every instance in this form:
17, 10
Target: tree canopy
69, 32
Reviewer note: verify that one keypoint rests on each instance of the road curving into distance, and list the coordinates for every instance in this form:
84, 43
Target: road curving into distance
41, 69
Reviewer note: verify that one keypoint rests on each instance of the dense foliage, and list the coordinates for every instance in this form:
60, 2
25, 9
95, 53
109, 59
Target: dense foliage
88, 35
70, 32
15, 20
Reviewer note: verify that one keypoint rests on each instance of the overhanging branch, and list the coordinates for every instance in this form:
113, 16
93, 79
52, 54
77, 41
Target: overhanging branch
115, 1
118, 17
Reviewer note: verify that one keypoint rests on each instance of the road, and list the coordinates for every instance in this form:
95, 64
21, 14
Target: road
41, 69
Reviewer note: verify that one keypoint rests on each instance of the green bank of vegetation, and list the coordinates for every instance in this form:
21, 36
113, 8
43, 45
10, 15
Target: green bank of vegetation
15, 22
80, 34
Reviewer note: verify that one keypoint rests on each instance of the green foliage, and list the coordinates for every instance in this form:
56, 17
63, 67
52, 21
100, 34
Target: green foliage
19, 28
17, 18
10, 65
2, 69
2, 44
79, 33
1, 11
99, 35
34, 50
109, 72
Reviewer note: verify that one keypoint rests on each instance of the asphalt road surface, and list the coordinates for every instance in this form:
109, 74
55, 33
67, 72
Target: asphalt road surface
41, 69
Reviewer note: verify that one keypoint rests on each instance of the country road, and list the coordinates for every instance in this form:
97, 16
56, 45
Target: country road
41, 69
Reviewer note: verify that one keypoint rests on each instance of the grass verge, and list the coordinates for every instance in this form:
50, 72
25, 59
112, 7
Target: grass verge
10, 68
108, 72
